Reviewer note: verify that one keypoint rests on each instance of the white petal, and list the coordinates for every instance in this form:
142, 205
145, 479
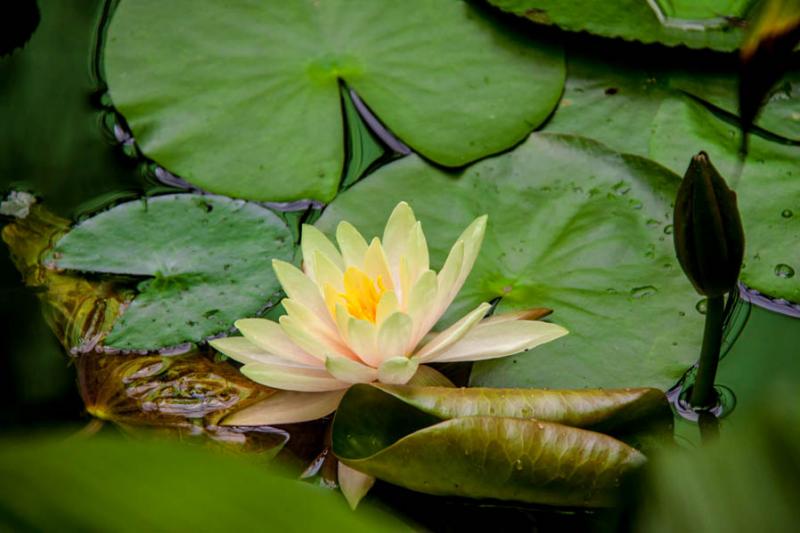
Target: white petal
243, 350
304, 379
362, 338
269, 336
324, 329
472, 237
352, 244
394, 335
313, 240
350, 371
451, 335
354, 484
499, 339
286, 407
397, 370
534, 313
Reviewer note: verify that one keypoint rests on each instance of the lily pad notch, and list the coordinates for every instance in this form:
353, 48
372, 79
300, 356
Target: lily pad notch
272, 100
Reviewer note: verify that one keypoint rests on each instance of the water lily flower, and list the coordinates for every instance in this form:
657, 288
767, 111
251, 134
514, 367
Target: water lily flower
364, 312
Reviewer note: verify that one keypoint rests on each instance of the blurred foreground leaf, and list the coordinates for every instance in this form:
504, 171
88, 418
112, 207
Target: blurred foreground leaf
483, 443
106, 484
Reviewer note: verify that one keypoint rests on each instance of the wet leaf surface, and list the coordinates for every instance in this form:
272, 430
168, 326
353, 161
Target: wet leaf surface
480, 456
264, 66
206, 261
573, 226
712, 24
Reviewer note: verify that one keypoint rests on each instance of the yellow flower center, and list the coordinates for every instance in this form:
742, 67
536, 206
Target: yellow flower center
361, 294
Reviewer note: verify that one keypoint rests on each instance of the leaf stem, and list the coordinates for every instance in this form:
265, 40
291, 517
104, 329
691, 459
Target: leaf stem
703, 394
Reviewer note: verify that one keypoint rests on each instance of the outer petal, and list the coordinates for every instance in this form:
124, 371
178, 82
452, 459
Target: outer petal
354, 484
472, 237
397, 370
243, 350
301, 288
270, 337
286, 407
317, 345
451, 335
427, 376
303, 379
313, 240
534, 313
420, 306
326, 332
417, 253
394, 335
350, 371
499, 339
352, 244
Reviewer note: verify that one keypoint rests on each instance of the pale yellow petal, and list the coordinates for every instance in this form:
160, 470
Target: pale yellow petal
427, 376
387, 305
286, 407
314, 324
396, 234
451, 335
472, 237
301, 288
362, 339
294, 378
326, 272
354, 484
394, 335
315, 344
352, 245
417, 253
350, 371
376, 266
534, 313
499, 339
243, 350
397, 370
420, 305
313, 240
270, 337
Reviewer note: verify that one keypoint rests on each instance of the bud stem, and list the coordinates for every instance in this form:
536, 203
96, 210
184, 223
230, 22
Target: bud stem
703, 394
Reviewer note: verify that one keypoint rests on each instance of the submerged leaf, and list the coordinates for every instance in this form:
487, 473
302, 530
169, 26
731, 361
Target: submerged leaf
443, 76
206, 260
498, 457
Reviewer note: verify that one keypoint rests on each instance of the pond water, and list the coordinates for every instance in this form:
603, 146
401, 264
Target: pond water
61, 141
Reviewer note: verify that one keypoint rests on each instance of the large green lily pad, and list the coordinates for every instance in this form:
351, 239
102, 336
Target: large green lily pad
462, 449
704, 24
573, 226
768, 189
206, 260
242, 98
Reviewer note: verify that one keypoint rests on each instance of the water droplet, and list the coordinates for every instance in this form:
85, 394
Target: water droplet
518, 464
702, 306
784, 271
641, 292
681, 313
652, 223
668, 229
611, 290
787, 213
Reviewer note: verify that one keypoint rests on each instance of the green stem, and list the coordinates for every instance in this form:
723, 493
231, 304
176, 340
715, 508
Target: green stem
703, 394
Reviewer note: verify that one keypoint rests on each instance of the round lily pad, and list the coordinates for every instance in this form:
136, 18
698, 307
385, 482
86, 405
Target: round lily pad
768, 189
242, 98
573, 226
206, 261
715, 24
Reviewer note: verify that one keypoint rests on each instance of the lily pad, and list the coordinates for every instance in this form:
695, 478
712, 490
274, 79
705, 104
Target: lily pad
378, 432
768, 189
707, 24
206, 261
244, 99
573, 226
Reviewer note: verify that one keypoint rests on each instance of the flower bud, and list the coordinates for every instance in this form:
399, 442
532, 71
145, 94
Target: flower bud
709, 240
